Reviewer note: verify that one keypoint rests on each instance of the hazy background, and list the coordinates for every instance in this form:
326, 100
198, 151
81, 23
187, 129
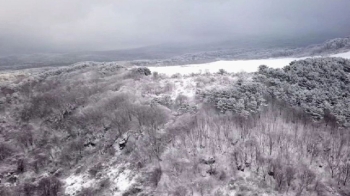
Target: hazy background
38, 26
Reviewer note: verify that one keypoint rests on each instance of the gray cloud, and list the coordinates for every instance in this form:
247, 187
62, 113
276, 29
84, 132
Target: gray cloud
75, 25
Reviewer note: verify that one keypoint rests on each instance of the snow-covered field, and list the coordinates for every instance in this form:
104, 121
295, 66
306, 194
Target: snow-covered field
343, 55
232, 66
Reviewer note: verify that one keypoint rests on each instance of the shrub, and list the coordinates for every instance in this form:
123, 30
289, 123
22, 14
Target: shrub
181, 100
87, 192
49, 186
154, 176
222, 72
139, 72
7, 191
177, 75
241, 99
5, 151
95, 169
71, 154
28, 189
164, 100
104, 184
132, 191
180, 191
21, 165
40, 161
155, 75
222, 176
25, 137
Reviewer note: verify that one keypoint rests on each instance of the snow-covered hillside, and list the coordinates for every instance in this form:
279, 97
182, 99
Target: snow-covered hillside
232, 66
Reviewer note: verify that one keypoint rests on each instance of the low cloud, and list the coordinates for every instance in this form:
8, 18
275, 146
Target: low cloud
74, 25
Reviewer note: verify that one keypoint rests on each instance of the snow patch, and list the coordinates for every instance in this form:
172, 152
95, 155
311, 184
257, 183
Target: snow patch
120, 177
76, 183
229, 66
232, 66
184, 86
345, 55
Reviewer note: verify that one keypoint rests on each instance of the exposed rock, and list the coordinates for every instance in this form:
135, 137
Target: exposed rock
271, 173
12, 179
209, 161
122, 144
211, 171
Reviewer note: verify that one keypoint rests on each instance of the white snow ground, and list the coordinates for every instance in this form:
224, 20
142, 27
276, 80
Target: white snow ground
121, 179
232, 66
345, 55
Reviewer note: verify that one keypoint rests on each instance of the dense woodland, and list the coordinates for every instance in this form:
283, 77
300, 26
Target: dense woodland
274, 132
321, 87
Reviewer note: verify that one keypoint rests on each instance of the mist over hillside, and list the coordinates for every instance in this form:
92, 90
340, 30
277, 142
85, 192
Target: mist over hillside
183, 54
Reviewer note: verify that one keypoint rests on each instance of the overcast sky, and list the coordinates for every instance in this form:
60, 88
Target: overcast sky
76, 25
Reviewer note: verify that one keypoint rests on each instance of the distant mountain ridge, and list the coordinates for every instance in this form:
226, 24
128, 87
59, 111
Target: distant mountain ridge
334, 45
163, 55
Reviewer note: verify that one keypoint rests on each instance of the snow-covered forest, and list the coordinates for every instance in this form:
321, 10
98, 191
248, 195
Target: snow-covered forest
175, 98
108, 129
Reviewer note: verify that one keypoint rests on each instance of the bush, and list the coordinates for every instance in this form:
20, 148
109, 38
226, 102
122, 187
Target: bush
222, 176
28, 189
222, 72
138, 72
155, 75
241, 99
180, 191
21, 165
5, 151
164, 100
25, 137
49, 186
104, 184
154, 176
95, 169
132, 191
181, 100
87, 192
